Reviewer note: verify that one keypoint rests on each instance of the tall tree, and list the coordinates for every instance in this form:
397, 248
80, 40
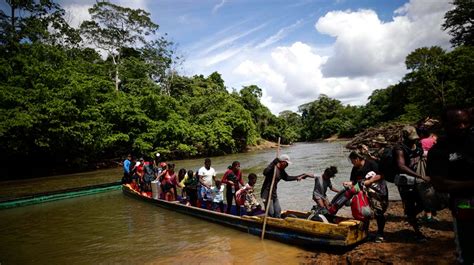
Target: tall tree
321, 118
35, 21
114, 27
250, 97
460, 22
430, 77
159, 55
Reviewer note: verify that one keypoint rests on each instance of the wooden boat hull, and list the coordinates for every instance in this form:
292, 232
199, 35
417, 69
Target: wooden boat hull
6, 203
289, 230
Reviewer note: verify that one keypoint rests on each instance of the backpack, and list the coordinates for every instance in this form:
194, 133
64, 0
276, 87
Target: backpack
149, 172
387, 164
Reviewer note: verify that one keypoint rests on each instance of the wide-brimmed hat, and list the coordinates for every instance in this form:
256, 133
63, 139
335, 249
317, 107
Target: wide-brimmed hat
379, 139
409, 132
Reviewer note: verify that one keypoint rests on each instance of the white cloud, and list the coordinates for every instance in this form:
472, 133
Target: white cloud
218, 6
231, 39
76, 13
367, 46
283, 32
291, 76
367, 54
219, 57
136, 4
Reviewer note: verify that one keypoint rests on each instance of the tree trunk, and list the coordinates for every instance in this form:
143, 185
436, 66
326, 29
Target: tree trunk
117, 80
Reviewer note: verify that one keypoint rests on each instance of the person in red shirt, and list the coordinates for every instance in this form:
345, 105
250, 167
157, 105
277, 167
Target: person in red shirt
428, 142
141, 172
233, 179
169, 183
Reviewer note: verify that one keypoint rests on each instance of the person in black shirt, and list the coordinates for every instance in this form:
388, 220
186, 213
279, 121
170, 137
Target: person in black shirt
279, 164
406, 155
366, 172
451, 167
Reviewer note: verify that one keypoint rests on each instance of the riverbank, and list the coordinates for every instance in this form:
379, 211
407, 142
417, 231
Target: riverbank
263, 145
399, 246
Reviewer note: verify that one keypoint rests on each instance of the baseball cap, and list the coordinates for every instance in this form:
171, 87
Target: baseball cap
285, 158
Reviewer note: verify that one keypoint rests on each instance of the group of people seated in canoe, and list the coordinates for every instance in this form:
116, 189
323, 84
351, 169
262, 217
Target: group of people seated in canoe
200, 189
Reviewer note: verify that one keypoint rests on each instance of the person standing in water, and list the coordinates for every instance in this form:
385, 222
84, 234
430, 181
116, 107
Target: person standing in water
277, 167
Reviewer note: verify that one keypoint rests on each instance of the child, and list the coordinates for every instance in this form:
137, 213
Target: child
321, 185
189, 185
246, 197
135, 176
218, 196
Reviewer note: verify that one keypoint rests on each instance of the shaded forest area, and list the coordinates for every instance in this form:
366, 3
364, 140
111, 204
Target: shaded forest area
73, 97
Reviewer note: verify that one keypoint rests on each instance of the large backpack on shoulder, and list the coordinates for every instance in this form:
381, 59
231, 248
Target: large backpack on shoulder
387, 164
149, 172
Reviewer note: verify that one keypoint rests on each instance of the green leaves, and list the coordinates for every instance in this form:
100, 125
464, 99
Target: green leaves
113, 27
460, 23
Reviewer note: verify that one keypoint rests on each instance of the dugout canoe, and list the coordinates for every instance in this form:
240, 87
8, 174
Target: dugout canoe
291, 230
6, 203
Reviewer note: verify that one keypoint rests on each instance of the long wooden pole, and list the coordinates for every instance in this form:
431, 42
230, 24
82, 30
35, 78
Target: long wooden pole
269, 198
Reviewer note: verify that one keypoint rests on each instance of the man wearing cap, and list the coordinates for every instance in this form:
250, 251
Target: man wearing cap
278, 164
406, 155
379, 144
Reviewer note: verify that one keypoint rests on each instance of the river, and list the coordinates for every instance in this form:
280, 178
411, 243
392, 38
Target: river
112, 228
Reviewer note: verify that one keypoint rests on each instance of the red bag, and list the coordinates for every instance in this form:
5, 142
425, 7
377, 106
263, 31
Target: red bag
360, 206
240, 197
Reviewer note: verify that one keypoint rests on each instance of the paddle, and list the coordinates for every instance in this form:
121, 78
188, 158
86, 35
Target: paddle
269, 198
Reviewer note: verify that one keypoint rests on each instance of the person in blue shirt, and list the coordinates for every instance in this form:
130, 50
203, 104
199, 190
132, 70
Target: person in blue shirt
126, 169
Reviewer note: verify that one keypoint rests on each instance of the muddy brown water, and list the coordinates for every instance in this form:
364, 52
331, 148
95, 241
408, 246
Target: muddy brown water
110, 228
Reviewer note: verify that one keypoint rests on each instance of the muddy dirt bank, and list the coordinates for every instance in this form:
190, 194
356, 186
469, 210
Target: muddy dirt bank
400, 246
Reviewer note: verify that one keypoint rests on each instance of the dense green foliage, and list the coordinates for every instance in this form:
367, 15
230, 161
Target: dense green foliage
64, 106
460, 22
59, 106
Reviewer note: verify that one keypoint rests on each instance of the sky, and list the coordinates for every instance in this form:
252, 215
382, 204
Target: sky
294, 50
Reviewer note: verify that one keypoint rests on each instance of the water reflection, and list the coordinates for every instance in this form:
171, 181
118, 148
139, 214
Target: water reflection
111, 228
